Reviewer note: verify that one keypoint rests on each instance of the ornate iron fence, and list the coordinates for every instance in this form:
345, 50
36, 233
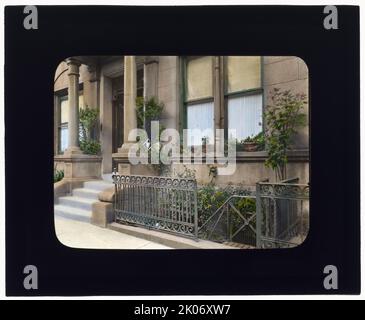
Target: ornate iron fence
162, 203
233, 221
282, 211
275, 216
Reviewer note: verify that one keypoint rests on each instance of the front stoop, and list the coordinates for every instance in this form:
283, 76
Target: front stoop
78, 205
166, 239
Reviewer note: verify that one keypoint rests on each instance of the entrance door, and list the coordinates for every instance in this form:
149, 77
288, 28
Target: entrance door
118, 114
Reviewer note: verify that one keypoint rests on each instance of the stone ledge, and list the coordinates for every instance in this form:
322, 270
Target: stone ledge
297, 155
166, 239
77, 158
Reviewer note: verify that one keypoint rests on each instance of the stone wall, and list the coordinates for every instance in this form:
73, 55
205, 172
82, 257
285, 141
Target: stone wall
288, 73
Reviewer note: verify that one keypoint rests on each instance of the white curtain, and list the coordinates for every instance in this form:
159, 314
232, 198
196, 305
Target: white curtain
245, 115
200, 121
64, 139
64, 110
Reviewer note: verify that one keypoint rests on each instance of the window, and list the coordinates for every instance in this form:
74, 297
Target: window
63, 127
239, 80
199, 99
244, 95
63, 123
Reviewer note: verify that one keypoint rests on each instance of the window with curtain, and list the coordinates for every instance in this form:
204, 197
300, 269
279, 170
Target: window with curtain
199, 100
63, 124
244, 95
63, 127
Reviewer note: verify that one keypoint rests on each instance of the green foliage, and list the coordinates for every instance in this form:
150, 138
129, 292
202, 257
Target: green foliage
147, 110
88, 121
283, 118
211, 197
259, 139
90, 146
58, 175
249, 139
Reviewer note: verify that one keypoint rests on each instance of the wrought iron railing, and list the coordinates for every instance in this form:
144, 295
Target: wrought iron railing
282, 211
162, 203
275, 215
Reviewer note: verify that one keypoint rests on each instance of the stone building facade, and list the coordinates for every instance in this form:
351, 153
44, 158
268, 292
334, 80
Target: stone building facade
214, 91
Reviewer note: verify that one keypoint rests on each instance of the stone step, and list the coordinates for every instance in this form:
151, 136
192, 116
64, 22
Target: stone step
107, 177
72, 213
86, 193
99, 185
77, 202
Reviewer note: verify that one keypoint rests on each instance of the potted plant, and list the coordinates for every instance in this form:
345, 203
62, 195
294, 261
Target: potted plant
250, 144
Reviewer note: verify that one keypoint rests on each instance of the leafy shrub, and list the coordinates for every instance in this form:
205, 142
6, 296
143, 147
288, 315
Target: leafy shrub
211, 197
88, 120
147, 110
58, 175
259, 139
90, 146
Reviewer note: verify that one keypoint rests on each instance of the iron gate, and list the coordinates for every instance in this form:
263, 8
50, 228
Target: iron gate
280, 217
163, 203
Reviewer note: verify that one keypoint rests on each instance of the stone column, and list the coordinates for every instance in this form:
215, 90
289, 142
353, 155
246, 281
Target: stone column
150, 78
130, 94
73, 101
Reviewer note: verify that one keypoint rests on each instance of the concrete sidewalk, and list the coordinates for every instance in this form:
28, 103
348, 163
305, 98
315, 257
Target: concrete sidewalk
77, 234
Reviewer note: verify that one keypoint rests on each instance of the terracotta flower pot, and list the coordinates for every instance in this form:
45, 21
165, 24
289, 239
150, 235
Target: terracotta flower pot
250, 146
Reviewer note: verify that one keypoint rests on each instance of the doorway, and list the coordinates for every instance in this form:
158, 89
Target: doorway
117, 114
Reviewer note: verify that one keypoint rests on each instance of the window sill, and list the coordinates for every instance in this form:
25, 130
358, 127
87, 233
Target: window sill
299, 155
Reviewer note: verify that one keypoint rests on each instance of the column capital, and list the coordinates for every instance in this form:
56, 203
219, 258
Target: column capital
73, 61
73, 66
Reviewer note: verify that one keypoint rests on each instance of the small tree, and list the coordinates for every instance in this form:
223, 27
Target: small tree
283, 118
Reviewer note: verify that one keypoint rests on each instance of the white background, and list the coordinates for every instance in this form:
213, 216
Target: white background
172, 2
